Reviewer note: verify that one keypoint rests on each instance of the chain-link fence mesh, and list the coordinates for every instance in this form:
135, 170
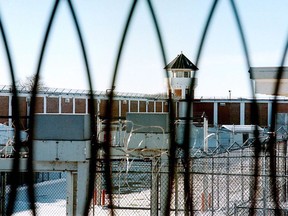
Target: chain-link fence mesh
221, 184
50, 193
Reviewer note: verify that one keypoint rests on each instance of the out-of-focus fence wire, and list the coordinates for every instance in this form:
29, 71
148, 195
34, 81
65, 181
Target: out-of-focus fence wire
188, 162
15, 118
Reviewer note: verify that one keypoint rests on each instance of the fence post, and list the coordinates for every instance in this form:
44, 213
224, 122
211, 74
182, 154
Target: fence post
98, 183
154, 187
82, 186
71, 191
204, 195
228, 182
164, 183
3, 193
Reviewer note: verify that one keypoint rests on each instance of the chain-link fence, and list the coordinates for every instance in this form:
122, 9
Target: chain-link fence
221, 184
50, 192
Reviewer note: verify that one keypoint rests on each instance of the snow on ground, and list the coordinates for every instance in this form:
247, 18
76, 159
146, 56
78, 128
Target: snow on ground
51, 200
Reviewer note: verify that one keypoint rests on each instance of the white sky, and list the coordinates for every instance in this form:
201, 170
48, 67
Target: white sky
221, 68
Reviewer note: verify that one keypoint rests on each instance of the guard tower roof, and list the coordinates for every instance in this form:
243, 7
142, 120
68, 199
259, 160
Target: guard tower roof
181, 62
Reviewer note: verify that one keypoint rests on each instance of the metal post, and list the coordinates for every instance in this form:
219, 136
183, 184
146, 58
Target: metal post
205, 133
82, 189
154, 187
204, 201
164, 183
73, 105
215, 113
228, 183
242, 177
264, 183
70, 207
45, 104
98, 184
285, 171
212, 186
3, 193
176, 189
10, 109
60, 104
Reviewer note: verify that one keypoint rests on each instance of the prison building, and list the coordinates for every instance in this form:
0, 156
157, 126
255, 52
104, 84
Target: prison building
219, 111
181, 75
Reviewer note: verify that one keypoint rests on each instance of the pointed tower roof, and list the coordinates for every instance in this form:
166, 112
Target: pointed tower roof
181, 62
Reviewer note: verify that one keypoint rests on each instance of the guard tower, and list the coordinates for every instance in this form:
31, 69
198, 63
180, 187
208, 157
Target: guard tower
181, 71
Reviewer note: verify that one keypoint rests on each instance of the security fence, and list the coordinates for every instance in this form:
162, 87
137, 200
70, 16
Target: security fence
221, 184
50, 192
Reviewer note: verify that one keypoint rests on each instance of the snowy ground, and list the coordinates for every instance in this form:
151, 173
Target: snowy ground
50, 196
51, 200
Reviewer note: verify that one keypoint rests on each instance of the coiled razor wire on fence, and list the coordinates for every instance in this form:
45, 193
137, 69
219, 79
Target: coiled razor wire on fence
205, 173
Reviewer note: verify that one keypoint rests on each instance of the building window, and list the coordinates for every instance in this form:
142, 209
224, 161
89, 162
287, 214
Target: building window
179, 74
186, 74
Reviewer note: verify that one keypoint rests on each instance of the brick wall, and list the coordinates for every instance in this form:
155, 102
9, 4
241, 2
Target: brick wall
229, 113
52, 105
80, 105
133, 106
39, 105
66, 105
4, 108
262, 114
142, 106
200, 107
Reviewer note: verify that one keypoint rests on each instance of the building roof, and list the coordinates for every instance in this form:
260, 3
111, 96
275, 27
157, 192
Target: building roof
181, 62
267, 72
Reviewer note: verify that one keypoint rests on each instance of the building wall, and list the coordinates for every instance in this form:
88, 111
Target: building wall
4, 108
282, 108
262, 109
124, 108
133, 106
228, 113
80, 105
39, 105
150, 106
52, 105
66, 105
219, 112
142, 105
204, 107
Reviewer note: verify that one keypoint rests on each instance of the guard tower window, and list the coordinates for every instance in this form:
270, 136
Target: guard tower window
186, 74
180, 74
